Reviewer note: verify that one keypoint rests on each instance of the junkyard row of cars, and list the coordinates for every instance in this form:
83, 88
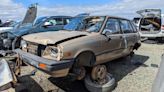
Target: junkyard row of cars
79, 45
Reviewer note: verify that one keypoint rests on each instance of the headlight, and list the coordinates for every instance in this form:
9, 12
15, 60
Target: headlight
52, 52
23, 44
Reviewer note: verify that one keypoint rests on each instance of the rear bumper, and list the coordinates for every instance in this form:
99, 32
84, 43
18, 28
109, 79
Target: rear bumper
51, 65
156, 35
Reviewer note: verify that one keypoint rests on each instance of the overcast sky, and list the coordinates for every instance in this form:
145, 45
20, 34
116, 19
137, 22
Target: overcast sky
15, 9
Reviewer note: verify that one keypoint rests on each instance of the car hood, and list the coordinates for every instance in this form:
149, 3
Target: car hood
21, 31
30, 14
46, 38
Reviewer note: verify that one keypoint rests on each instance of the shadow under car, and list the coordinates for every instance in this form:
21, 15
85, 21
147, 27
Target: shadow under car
118, 68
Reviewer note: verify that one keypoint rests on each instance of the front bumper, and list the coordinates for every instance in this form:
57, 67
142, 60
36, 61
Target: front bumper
51, 65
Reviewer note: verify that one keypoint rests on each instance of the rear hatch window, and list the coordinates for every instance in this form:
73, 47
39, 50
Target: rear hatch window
150, 20
150, 24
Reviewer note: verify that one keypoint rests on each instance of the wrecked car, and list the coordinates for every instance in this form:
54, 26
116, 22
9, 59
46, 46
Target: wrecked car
9, 25
150, 24
10, 40
6, 36
81, 49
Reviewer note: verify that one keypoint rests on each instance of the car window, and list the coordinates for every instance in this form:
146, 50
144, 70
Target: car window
112, 26
89, 24
59, 21
126, 26
56, 21
40, 20
66, 21
74, 23
134, 27
93, 24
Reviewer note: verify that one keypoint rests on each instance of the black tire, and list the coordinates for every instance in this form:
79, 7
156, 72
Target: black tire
160, 40
94, 87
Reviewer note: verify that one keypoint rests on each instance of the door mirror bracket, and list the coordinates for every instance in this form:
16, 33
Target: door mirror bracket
107, 35
47, 24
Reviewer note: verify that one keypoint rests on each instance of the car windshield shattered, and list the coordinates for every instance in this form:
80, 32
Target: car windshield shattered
90, 24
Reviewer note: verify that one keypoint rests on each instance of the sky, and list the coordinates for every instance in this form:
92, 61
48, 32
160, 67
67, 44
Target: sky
16, 9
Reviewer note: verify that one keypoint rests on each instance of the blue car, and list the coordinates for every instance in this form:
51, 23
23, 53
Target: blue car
10, 40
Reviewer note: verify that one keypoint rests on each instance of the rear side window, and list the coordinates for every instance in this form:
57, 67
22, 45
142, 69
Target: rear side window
126, 26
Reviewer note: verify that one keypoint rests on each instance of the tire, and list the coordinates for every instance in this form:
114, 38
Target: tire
94, 87
160, 40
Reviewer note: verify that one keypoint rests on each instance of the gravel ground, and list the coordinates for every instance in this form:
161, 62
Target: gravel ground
133, 74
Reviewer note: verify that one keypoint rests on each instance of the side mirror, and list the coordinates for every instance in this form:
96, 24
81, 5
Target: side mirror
107, 34
47, 24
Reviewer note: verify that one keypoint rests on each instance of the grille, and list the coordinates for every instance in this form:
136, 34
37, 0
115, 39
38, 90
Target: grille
32, 48
36, 49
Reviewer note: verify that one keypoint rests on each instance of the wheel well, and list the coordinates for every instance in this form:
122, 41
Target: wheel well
85, 58
136, 46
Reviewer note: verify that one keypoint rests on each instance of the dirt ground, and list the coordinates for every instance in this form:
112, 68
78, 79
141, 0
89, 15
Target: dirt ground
134, 74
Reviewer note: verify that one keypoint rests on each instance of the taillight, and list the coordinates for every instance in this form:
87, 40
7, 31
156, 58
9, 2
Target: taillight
162, 27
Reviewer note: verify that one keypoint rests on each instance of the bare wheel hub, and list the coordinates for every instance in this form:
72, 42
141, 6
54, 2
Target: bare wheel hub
81, 72
99, 73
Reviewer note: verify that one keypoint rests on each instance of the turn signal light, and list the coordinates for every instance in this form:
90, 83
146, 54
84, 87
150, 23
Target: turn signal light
42, 66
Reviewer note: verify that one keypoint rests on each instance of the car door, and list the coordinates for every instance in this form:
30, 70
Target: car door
111, 41
129, 35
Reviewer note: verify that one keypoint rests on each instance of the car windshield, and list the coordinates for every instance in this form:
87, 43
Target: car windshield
74, 23
89, 24
39, 20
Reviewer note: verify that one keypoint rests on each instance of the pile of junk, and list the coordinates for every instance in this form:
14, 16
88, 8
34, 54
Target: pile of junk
9, 64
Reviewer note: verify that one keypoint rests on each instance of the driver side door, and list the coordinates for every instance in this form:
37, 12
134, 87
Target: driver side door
112, 41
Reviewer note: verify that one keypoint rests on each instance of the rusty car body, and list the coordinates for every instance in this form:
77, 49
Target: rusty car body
86, 41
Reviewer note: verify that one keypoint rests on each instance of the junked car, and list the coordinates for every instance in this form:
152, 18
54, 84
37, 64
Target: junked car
7, 26
5, 33
82, 48
42, 24
10, 40
150, 24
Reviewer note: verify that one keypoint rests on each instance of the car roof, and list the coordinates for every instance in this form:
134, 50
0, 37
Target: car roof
55, 17
108, 16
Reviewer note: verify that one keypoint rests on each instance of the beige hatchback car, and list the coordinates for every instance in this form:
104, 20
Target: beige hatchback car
82, 48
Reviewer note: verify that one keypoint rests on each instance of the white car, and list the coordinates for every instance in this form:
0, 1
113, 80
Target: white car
150, 24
